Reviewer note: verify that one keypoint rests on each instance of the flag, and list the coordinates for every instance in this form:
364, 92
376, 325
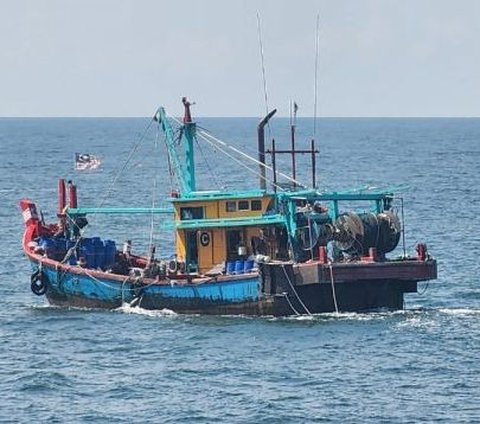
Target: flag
86, 161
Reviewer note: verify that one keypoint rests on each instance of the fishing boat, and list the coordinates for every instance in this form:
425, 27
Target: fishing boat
277, 250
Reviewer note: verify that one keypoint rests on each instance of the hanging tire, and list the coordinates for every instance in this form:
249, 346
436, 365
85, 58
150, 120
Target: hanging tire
37, 283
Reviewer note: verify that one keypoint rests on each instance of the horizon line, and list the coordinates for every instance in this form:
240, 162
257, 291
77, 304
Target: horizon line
239, 117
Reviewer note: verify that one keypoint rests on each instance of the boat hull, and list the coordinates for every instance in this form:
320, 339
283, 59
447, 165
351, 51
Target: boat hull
276, 290
236, 295
346, 287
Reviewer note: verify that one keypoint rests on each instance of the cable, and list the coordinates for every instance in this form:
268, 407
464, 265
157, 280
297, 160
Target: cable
295, 292
204, 134
334, 295
209, 138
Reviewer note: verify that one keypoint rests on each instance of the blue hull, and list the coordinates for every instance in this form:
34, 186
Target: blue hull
237, 294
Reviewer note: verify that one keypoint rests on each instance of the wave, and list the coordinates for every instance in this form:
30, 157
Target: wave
127, 308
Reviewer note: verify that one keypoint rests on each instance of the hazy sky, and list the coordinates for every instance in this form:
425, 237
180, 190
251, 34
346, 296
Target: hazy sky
125, 57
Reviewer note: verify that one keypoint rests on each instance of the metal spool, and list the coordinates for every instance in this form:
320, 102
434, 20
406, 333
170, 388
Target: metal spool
390, 231
315, 235
371, 235
349, 233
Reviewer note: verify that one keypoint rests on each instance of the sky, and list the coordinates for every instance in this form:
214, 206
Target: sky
126, 57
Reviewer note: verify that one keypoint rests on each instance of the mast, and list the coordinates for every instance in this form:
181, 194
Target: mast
184, 171
190, 134
293, 124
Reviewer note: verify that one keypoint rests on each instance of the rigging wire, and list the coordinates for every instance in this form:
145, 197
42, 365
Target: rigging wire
210, 171
129, 158
242, 164
206, 135
109, 190
210, 139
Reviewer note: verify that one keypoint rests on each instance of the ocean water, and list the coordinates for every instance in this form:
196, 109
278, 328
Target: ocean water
130, 365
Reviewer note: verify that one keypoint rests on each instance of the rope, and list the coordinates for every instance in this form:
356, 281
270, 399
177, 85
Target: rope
310, 236
209, 138
253, 171
295, 292
129, 158
290, 304
204, 135
424, 289
109, 189
210, 171
334, 295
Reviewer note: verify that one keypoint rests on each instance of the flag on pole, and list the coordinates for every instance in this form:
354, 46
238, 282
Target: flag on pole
85, 161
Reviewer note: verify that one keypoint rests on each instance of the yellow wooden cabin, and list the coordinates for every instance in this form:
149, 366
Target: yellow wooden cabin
214, 228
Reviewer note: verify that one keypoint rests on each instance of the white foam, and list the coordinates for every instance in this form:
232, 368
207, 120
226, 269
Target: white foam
126, 308
460, 311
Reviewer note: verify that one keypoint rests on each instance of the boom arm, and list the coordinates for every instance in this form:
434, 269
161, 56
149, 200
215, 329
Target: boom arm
185, 173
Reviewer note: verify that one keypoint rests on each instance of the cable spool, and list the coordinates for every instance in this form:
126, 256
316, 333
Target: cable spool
355, 234
371, 232
349, 233
390, 231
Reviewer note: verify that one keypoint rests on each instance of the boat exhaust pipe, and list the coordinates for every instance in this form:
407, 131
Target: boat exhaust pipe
261, 148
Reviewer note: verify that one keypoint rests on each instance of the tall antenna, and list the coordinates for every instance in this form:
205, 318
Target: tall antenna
317, 37
263, 63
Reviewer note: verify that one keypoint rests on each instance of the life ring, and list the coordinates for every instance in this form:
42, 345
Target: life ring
37, 283
204, 239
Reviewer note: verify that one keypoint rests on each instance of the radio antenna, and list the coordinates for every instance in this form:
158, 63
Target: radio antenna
263, 63
317, 39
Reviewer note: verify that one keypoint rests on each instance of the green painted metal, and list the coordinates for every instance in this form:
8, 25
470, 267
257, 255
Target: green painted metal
220, 195
230, 222
338, 196
334, 209
288, 201
179, 170
189, 133
85, 211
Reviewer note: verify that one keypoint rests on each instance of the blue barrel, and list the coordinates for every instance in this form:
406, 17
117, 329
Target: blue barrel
87, 250
248, 266
110, 251
230, 268
239, 267
99, 250
61, 248
48, 245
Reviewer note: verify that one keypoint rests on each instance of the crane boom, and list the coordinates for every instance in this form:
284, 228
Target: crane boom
184, 172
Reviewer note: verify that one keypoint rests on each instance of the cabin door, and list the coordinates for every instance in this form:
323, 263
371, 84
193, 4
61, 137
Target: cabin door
234, 238
191, 238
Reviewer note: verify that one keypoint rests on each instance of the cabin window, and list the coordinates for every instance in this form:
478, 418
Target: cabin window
191, 213
256, 205
243, 205
231, 206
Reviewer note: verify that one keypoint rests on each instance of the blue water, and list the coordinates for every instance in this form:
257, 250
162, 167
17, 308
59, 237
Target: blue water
130, 365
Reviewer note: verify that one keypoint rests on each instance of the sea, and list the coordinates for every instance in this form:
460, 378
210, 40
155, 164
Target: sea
418, 365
